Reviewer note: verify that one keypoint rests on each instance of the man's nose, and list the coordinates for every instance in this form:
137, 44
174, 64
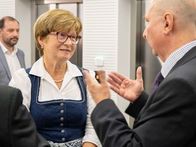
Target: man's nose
144, 34
16, 33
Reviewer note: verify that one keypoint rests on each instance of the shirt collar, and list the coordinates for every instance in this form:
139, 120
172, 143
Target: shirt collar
38, 69
5, 50
175, 57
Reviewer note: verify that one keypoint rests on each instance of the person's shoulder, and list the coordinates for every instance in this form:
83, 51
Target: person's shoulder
10, 94
20, 51
4, 88
7, 90
74, 69
20, 73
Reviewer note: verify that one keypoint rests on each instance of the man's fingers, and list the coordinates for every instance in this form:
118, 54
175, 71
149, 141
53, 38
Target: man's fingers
115, 78
139, 73
101, 76
113, 83
115, 89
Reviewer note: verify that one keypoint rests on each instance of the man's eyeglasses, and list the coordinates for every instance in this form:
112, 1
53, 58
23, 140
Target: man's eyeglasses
62, 37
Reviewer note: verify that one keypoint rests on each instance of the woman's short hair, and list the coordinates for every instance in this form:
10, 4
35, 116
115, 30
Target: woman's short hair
56, 20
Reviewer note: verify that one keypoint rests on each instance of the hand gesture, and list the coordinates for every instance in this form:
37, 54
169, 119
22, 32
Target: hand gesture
125, 87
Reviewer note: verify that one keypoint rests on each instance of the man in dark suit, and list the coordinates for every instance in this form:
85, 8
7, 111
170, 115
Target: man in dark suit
11, 58
17, 128
167, 117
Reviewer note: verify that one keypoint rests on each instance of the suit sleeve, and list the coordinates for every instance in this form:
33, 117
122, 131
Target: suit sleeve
135, 107
111, 126
168, 121
23, 130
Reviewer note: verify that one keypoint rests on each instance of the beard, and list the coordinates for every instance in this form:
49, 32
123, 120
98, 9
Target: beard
11, 42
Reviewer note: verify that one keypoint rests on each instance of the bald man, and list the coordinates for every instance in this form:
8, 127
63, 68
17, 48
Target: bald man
167, 116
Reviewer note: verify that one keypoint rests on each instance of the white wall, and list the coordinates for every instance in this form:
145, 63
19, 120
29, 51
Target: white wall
107, 33
23, 14
7, 7
126, 49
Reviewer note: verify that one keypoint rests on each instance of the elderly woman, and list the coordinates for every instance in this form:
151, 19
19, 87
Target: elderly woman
53, 88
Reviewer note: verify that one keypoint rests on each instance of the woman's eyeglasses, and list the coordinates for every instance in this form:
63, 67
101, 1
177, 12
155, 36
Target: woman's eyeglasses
62, 37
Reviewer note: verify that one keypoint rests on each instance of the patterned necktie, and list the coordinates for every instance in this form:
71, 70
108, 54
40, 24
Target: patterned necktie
159, 78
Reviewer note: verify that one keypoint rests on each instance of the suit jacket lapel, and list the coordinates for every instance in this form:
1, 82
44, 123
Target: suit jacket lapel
20, 59
4, 63
187, 57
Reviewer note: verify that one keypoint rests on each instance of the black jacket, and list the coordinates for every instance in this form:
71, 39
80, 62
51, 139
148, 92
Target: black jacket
166, 118
17, 128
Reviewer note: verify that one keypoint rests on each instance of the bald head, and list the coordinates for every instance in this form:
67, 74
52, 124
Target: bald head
171, 24
184, 10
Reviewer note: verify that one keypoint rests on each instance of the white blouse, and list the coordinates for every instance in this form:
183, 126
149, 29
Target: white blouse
50, 91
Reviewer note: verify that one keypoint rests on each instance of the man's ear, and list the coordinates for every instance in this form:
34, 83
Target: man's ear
168, 22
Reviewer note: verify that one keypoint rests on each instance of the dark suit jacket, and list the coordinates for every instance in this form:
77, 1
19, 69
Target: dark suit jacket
17, 128
166, 118
5, 75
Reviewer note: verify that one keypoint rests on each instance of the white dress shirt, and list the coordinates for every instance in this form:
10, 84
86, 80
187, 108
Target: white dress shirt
175, 57
12, 59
